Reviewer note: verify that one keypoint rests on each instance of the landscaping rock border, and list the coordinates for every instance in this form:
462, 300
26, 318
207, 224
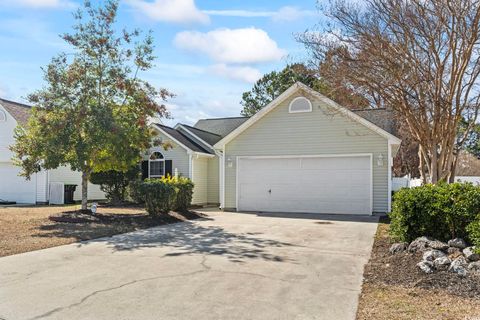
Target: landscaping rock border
455, 255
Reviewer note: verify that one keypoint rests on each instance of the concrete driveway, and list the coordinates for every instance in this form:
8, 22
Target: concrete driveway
228, 266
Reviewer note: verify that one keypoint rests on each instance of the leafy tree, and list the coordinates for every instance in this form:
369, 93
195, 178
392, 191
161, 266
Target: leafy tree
472, 143
92, 113
114, 183
418, 57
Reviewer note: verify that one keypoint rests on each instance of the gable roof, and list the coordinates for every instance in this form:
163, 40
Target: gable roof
207, 137
287, 93
181, 139
220, 126
19, 111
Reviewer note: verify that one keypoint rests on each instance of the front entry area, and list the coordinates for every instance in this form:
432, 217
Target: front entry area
338, 184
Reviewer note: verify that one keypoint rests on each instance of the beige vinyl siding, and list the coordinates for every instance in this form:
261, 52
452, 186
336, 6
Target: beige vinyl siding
322, 131
178, 155
213, 184
67, 176
213, 181
200, 179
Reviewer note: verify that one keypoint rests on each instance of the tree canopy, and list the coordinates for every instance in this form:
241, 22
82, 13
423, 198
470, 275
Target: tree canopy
92, 114
419, 57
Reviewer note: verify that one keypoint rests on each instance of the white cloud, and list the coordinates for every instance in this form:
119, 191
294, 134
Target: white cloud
176, 11
287, 13
248, 45
39, 4
246, 74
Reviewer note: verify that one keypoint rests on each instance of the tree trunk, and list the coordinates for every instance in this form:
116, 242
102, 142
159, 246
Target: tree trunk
453, 173
84, 189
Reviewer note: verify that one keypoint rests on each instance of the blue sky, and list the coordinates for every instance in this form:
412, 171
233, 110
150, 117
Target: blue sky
208, 52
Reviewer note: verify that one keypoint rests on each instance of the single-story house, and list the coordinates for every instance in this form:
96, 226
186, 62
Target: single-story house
17, 189
300, 153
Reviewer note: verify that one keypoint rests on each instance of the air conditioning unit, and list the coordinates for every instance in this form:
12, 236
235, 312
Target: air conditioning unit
56, 193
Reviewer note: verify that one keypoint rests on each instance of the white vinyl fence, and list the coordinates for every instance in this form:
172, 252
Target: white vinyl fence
406, 182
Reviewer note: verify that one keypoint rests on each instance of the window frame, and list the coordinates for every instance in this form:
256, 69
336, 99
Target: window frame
150, 160
300, 111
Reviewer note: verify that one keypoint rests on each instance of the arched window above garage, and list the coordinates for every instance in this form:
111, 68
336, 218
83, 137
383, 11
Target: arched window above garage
300, 104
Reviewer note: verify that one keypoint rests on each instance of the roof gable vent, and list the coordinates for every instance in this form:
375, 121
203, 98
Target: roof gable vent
3, 116
300, 104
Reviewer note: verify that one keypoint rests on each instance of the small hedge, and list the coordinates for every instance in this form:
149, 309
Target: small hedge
184, 193
165, 194
442, 211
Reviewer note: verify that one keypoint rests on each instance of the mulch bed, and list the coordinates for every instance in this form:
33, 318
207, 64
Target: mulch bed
400, 270
137, 220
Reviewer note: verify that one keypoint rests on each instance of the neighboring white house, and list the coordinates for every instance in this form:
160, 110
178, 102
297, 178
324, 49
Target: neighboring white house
36, 190
301, 153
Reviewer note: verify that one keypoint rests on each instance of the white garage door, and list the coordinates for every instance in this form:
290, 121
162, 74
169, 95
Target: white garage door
340, 184
15, 188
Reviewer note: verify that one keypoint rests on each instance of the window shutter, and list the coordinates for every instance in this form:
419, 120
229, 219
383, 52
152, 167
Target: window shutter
144, 170
168, 168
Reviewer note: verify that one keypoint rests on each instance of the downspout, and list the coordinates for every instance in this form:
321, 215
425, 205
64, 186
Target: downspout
390, 166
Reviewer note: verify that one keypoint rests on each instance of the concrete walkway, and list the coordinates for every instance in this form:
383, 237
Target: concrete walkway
228, 266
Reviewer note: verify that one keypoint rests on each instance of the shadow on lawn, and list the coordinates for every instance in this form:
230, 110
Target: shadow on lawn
185, 238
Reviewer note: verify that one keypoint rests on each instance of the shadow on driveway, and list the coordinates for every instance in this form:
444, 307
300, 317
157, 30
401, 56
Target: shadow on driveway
319, 216
192, 238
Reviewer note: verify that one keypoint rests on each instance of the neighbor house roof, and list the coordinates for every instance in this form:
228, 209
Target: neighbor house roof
19, 111
182, 139
220, 126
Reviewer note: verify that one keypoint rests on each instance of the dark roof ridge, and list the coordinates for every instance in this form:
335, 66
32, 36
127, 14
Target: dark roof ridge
224, 118
369, 109
186, 125
190, 140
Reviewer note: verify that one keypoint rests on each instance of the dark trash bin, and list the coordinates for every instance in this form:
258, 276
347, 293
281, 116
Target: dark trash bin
69, 189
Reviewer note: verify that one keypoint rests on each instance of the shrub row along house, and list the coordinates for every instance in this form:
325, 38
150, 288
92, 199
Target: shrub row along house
301, 153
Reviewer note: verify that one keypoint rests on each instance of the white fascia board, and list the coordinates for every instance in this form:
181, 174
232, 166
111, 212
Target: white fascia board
295, 87
181, 144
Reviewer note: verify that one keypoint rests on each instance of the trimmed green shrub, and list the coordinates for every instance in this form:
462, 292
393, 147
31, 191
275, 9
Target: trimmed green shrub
184, 197
114, 183
441, 211
159, 196
474, 233
135, 192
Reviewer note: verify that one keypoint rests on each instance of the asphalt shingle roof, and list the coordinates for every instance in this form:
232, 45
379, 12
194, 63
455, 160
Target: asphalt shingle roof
382, 118
19, 111
183, 139
220, 126
208, 137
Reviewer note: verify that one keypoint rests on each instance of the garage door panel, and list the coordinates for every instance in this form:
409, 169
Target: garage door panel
308, 184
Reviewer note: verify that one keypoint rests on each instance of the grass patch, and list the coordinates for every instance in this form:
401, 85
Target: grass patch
24, 229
